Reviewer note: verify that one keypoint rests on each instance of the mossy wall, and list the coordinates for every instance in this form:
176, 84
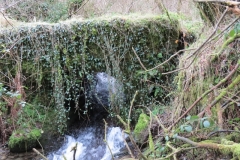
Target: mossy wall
55, 60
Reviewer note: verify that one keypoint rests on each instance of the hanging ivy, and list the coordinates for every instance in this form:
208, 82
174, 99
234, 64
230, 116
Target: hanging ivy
57, 59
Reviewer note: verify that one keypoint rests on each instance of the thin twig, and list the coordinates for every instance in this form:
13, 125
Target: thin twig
215, 132
74, 149
41, 155
130, 110
230, 24
79, 8
105, 139
126, 144
158, 120
159, 65
170, 72
214, 31
139, 60
174, 149
136, 147
6, 19
162, 6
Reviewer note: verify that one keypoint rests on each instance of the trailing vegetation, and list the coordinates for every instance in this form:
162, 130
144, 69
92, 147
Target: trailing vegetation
53, 65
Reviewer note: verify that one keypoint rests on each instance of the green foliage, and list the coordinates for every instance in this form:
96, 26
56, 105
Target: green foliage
24, 139
142, 123
235, 30
193, 122
59, 59
141, 127
3, 108
30, 116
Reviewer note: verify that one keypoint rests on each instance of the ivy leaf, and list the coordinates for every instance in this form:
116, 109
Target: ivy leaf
157, 91
188, 117
181, 128
232, 33
194, 117
206, 124
160, 55
216, 81
188, 128
153, 72
166, 138
175, 135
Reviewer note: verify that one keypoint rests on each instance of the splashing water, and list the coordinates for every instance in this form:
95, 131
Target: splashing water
90, 145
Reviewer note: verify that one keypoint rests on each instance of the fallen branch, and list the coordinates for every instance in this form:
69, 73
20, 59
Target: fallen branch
226, 147
220, 131
74, 149
175, 152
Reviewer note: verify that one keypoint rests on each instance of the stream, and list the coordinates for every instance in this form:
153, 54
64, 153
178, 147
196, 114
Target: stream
90, 140
90, 144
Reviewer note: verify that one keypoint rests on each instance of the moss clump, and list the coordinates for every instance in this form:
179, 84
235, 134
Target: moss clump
140, 131
24, 140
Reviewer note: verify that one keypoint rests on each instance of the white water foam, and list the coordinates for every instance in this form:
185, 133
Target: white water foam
90, 145
115, 142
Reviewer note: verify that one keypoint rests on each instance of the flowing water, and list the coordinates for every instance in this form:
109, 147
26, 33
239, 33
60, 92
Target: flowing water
90, 140
90, 144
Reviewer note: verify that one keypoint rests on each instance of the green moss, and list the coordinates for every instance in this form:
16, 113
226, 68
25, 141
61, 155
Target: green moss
230, 147
150, 142
142, 123
141, 127
23, 140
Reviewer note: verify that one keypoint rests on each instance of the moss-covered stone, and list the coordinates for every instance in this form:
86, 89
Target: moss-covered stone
24, 140
58, 59
141, 129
